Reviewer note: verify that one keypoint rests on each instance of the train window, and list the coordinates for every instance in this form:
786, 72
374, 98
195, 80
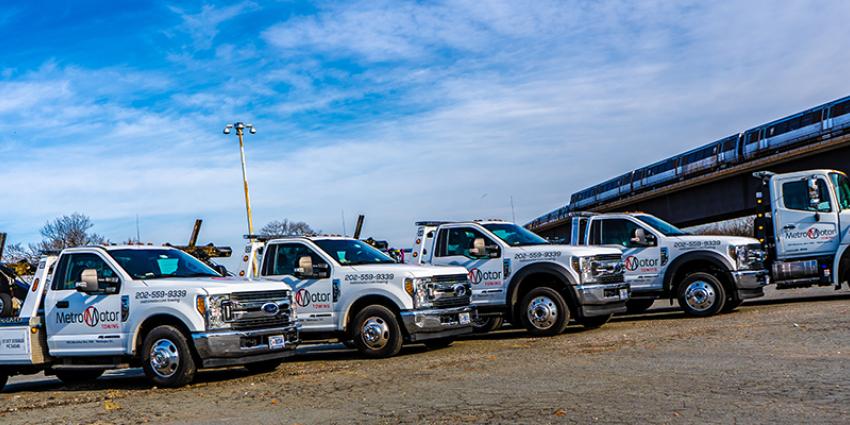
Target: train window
840, 109
795, 196
753, 137
729, 143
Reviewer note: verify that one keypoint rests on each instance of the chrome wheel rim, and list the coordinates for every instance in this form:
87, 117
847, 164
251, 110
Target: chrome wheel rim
542, 312
700, 295
375, 333
2, 305
165, 358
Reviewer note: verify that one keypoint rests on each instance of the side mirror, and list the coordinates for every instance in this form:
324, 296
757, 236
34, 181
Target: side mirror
642, 238
88, 282
814, 193
305, 267
479, 248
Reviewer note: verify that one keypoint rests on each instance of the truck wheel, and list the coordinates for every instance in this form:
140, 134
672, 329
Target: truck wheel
264, 366
438, 343
78, 376
639, 305
595, 321
5, 305
701, 295
487, 324
544, 312
167, 358
376, 332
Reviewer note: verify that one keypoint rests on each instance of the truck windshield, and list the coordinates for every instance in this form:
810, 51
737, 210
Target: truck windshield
160, 263
350, 252
662, 226
514, 235
842, 189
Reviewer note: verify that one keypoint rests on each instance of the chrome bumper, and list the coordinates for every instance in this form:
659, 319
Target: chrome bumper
436, 323
751, 283
225, 348
751, 279
599, 299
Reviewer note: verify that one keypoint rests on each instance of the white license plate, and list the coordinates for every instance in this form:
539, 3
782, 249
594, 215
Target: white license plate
463, 318
624, 294
277, 342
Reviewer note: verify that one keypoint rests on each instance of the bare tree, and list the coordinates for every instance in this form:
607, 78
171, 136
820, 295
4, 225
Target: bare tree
17, 252
68, 231
287, 228
736, 227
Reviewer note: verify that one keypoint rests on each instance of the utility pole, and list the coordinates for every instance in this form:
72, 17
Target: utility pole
240, 128
513, 213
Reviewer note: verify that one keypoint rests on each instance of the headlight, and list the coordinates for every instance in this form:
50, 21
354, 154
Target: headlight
218, 311
421, 290
597, 269
747, 257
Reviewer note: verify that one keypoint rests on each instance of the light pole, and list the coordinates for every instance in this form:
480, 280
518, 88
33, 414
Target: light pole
240, 128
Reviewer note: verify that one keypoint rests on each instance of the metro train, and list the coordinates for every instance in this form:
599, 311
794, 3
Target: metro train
809, 126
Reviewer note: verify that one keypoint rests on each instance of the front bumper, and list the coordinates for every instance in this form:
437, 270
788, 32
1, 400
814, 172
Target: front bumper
750, 283
600, 299
232, 347
436, 323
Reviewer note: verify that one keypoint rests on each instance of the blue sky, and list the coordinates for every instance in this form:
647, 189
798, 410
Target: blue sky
398, 110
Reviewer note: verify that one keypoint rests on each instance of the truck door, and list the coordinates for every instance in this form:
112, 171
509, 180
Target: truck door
487, 275
642, 263
79, 323
314, 298
805, 217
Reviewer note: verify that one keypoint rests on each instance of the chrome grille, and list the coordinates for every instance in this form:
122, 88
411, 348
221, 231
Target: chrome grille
445, 288
245, 309
608, 268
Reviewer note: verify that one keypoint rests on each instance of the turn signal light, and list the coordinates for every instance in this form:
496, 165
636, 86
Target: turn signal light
408, 286
201, 305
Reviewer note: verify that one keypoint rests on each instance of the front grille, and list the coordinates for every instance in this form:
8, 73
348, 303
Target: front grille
444, 294
246, 309
608, 268
260, 296
450, 278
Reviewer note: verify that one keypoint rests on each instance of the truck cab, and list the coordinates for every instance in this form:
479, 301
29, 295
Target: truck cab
803, 219
522, 278
345, 289
106, 307
707, 274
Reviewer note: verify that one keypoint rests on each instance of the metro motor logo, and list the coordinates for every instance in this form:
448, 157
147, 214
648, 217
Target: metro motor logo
90, 317
476, 276
632, 263
812, 233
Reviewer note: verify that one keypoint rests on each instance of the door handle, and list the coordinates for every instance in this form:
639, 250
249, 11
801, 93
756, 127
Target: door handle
789, 226
62, 304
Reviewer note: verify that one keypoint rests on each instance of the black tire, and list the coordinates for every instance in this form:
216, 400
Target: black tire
595, 321
5, 305
639, 305
71, 377
263, 366
4, 377
487, 324
701, 294
163, 368
550, 312
376, 332
732, 304
438, 343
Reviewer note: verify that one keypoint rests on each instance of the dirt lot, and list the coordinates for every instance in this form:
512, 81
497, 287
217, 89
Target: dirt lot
768, 362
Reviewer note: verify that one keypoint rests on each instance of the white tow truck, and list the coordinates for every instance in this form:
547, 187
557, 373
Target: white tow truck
522, 278
707, 274
347, 290
803, 218
91, 309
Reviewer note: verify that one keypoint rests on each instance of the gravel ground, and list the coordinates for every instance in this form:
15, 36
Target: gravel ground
782, 359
